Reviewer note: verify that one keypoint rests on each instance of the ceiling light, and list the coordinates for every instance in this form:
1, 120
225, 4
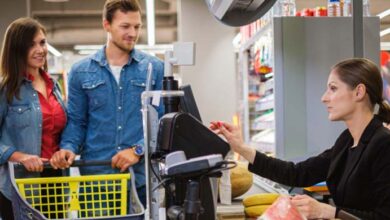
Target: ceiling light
54, 51
87, 47
150, 22
384, 32
384, 14
56, 0
157, 48
86, 52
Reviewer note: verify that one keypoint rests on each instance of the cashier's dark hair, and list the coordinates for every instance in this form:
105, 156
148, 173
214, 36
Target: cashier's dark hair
17, 42
111, 6
357, 71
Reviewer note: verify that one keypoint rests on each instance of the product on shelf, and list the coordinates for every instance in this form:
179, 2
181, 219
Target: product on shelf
321, 12
313, 12
334, 9
344, 8
248, 31
347, 8
265, 121
284, 8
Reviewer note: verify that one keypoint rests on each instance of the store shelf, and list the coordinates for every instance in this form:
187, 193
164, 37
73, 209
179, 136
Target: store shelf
263, 146
265, 103
249, 43
262, 125
269, 84
300, 69
264, 121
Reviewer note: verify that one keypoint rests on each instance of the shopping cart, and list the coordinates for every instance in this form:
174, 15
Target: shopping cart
76, 197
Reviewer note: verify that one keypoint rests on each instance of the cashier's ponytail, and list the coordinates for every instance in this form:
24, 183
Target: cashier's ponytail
357, 71
384, 111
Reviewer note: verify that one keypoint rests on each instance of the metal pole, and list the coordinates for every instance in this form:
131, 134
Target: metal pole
357, 15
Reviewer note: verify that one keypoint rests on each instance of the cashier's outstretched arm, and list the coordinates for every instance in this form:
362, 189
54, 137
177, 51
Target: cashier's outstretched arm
233, 136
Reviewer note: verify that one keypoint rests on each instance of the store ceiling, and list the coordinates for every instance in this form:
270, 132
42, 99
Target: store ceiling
75, 22
79, 21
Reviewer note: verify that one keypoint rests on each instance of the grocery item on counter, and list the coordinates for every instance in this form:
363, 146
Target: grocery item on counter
256, 205
241, 180
282, 209
255, 211
260, 199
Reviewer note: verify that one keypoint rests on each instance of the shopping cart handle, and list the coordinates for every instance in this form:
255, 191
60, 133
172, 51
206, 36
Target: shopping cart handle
82, 163
76, 163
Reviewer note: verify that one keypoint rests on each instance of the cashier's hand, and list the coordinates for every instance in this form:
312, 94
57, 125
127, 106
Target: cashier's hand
32, 163
312, 209
62, 159
124, 159
231, 133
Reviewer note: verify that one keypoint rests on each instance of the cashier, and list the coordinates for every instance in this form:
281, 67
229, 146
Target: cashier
357, 167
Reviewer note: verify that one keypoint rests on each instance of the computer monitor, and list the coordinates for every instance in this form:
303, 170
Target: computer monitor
187, 102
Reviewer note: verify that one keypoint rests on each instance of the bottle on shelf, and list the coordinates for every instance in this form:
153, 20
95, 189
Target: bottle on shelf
366, 7
284, 8
334, 8
347, 8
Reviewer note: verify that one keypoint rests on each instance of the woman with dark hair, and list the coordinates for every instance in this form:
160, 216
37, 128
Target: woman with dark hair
357, 168
32, 113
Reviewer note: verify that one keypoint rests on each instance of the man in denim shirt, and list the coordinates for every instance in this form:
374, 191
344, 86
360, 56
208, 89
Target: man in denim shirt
104, 103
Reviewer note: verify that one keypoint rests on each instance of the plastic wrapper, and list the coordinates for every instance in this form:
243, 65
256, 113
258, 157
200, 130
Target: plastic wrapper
282, 209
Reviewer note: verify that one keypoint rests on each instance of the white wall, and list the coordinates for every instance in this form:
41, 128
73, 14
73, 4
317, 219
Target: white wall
213, 77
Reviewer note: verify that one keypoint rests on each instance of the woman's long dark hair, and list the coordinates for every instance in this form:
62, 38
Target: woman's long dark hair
17, 42
357, 71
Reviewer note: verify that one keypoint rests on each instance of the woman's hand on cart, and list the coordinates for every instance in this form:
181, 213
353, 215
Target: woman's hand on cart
62, 159
32, 163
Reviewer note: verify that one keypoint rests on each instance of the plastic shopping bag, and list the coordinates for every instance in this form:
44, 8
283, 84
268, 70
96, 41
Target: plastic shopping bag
282, 209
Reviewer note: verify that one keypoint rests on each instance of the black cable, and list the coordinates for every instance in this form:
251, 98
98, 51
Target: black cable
152, 168
159, 184
224, 166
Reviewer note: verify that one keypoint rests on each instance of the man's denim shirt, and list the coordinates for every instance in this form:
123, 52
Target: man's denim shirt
20, 128
104, 117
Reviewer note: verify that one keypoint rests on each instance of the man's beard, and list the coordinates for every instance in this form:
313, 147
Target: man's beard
124, 49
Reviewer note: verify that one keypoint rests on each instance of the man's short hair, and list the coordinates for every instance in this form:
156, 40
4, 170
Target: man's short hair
111, 6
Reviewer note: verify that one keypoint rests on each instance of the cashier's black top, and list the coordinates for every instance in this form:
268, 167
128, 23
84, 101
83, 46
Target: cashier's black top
358, 179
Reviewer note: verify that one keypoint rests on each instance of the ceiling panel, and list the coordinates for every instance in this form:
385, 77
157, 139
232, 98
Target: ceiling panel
83, 19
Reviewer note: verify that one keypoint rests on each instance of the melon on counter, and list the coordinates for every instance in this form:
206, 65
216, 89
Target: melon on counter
241, 179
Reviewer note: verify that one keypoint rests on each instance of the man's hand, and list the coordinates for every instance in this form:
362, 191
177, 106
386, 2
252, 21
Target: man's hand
312, 209
62, 159
32, 163
124, 159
